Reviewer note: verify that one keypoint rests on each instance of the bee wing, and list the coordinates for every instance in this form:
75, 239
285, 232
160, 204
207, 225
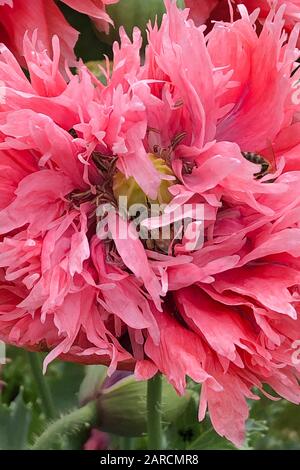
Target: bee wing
271, 156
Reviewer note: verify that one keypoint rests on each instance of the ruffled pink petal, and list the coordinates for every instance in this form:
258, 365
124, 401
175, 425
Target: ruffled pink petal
46, 17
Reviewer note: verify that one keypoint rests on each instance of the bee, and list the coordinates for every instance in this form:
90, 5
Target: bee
258, 160
268, 164
165, 153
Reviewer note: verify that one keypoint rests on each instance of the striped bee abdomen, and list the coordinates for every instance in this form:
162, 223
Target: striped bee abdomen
258, 160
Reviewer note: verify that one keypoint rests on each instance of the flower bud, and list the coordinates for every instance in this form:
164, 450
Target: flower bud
123, 407
122, 402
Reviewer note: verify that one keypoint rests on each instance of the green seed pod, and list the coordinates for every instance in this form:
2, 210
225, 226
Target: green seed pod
122, 408
123, 186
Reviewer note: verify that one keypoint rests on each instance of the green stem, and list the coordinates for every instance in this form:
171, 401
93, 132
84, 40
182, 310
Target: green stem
154, 413
126, 443
74, 422
42, 385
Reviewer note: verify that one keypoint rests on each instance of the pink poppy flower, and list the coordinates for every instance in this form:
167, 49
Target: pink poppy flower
213, 131
203, 11
18, 17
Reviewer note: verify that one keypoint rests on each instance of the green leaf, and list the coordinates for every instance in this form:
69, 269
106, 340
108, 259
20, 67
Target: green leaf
92, 382
131, 13
256, 429
64, 380
14, 424
212, 441
183, 430
282, 419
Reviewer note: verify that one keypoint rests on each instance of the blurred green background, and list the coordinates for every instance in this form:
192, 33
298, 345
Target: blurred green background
273, 425
128, 13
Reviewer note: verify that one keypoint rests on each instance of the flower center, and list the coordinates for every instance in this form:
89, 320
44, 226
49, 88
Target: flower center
129, 188
113, 185
103, 192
